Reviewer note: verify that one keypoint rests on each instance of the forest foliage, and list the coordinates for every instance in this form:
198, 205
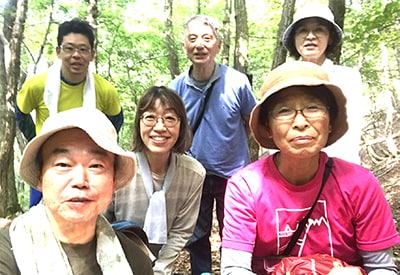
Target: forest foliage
133, 55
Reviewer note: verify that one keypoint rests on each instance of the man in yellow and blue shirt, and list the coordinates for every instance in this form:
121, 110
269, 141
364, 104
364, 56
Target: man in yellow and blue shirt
67, 84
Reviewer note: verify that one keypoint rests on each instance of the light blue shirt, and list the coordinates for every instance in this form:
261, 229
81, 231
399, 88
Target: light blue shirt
220, 142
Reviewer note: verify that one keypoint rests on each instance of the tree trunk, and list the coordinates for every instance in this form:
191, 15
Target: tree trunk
242, 37
338, 8
10, 51
199, 6
170, 41
226, 36
43, 45
241, 61
92, 15
286, 18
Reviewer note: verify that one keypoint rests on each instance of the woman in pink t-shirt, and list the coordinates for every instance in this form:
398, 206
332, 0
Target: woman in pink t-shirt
300, 113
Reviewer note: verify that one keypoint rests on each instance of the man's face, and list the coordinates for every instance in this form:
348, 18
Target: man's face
201, 44
76, 54
77, 177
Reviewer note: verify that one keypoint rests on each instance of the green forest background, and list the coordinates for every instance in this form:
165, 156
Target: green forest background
132, 52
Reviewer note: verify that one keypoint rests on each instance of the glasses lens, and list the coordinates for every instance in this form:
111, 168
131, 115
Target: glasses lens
170, 120
84, 50
149, 120
67, 49
314, 111
284, 113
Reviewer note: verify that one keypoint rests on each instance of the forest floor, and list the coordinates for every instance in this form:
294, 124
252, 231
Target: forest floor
390, 183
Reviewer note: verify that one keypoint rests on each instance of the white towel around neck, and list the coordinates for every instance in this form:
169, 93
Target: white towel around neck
38, 252
53, 85
155, 223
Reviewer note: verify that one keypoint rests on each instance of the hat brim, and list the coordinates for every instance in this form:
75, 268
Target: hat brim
288, 79
288, 35
125, 166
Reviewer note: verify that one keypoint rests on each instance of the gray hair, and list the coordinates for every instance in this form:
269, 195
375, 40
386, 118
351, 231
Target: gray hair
206, 20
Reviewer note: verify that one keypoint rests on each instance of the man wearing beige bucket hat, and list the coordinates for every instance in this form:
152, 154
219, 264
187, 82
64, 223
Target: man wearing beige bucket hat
76, 163
313, 36
346, 214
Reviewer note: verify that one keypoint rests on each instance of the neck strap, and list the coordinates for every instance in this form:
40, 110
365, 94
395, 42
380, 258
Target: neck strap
303, 222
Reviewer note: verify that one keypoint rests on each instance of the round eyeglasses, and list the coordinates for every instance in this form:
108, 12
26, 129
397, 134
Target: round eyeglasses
309, 111
151, 120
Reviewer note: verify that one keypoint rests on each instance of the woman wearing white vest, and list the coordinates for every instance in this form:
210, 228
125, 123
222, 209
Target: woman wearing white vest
312, 36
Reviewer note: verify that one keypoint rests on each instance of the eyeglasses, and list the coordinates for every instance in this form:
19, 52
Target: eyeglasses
309, 111
151, 120
83, 50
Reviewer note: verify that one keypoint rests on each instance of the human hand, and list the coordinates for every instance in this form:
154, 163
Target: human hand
4, 222
348, 270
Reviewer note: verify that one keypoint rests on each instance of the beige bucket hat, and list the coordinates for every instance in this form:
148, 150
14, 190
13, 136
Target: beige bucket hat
297, 73
313, 10
98, 127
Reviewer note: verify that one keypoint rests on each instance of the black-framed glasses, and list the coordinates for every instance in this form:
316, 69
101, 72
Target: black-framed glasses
169, 120
309, 111
69, 49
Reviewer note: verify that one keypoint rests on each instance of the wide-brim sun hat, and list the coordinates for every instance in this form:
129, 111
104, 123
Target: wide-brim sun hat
313, 10
297, 73
96, 125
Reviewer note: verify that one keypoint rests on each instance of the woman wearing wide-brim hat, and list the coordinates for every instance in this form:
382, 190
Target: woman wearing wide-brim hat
313, 36
300, 113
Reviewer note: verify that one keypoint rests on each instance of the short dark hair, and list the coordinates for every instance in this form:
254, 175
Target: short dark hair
168, 97
330, 49
76, 25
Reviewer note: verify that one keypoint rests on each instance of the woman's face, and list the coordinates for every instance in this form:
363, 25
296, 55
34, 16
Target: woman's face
299, 133
159, 129
311, 40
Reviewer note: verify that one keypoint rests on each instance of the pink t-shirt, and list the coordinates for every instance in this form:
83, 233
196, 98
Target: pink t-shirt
262, 211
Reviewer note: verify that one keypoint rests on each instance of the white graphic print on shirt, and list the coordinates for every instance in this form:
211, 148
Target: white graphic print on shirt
319, 225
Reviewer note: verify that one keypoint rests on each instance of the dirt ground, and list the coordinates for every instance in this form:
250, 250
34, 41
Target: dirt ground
390, 183
182, 265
